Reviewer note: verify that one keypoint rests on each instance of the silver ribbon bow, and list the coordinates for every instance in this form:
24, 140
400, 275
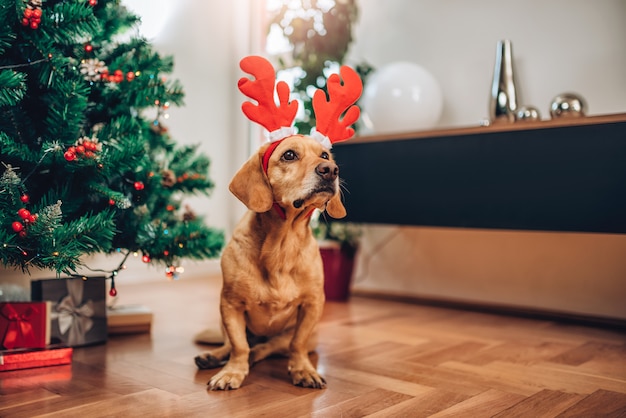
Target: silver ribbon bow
74, 318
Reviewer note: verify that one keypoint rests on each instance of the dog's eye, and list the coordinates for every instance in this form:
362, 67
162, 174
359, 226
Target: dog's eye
289, 155
325, 155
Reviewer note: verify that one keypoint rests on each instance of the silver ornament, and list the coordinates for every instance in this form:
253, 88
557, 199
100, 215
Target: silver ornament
527, 113
568, 105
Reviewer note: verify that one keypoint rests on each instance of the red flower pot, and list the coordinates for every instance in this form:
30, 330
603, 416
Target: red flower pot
338, 266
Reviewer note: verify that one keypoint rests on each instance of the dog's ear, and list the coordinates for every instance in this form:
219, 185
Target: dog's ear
335, 208
250, 185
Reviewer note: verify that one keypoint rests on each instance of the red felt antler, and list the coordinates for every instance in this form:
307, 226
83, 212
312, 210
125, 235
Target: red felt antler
261, 89
328, 113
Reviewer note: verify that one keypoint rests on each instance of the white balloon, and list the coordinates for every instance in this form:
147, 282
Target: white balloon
400, 97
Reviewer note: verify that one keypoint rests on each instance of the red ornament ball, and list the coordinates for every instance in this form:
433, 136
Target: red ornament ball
130, 76
25, 198
113, 292
37, 13
28, 13
111, 202
139, 185
69, 155
34, 24
22, 234
25, 21
17, 226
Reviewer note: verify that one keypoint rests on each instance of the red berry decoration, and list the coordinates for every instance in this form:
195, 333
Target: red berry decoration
111, 202
92, 3
23, 213
32, 14
25, 198
22, 234
139, 185
88, 48
69, 155
17, 226
130, 76
90, 145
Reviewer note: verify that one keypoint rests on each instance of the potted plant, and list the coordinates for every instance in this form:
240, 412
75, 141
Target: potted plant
338, 242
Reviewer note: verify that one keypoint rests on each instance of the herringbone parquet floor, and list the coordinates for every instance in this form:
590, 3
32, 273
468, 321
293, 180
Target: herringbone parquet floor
380, 359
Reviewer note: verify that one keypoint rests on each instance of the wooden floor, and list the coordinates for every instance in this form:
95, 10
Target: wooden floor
380, 359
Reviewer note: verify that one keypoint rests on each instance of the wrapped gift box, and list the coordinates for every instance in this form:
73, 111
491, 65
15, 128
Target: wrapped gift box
129, 319
35, 357
78, 311
24, 325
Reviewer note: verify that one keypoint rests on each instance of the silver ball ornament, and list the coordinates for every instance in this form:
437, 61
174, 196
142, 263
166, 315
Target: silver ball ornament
527, 114
568, 105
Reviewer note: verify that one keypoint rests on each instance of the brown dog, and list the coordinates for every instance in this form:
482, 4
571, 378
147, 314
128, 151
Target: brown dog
272, 270
273, 275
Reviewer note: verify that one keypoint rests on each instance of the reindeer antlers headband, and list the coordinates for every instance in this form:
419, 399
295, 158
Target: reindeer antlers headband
330, 127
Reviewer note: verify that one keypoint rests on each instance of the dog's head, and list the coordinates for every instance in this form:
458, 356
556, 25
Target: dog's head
300, 173
295, 171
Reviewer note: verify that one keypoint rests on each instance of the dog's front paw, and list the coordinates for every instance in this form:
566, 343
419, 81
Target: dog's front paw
207, 361
307, 378
227, 380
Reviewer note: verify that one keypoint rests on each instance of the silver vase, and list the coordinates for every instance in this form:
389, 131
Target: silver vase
503, 101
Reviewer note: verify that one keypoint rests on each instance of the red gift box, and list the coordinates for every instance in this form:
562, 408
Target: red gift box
24, 325
29, 358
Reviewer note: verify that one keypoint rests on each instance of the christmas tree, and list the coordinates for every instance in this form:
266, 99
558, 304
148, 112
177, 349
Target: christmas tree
86, 165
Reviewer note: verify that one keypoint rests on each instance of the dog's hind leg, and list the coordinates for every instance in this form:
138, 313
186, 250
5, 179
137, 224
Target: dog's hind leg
214, 358
278, 345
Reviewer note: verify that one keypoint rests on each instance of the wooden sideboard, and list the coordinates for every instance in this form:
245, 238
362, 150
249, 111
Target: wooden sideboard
555, 175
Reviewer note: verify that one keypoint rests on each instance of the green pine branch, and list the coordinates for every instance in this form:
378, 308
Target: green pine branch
12, 87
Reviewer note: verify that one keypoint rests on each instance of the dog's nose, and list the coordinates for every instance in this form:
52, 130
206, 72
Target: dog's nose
327, 170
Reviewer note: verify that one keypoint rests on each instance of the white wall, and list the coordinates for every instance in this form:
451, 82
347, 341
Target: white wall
558, 46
